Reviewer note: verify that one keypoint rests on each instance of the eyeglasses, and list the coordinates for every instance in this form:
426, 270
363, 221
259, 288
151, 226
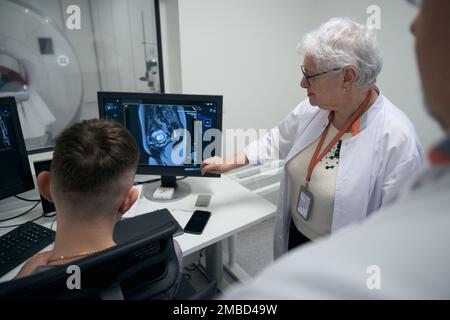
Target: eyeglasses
306, 77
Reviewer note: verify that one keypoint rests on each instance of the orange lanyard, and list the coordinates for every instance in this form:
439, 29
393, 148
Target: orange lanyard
355, 116
440, 155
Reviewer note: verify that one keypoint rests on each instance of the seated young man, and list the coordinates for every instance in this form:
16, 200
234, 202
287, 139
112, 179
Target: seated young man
91, 184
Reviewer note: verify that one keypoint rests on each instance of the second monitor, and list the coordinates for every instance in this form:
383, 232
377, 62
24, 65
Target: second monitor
174, 132
15, 172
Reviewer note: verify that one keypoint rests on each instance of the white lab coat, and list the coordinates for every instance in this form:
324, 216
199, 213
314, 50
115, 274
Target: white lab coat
373, 164
402, 252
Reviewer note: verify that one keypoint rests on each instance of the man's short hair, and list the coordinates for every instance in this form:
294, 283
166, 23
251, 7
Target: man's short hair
91, 154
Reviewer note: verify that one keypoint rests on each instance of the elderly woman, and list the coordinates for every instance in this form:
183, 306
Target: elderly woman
348, 148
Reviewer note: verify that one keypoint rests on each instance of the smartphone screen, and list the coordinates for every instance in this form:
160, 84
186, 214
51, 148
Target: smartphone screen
197, 222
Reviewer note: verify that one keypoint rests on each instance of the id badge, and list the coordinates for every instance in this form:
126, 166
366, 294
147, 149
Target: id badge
305, 202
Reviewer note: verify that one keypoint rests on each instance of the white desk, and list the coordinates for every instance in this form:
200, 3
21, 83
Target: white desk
233, 207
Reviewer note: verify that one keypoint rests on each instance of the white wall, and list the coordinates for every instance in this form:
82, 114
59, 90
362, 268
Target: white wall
246, 51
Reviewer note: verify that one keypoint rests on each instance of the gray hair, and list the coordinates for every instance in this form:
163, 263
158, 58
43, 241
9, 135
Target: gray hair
342, 42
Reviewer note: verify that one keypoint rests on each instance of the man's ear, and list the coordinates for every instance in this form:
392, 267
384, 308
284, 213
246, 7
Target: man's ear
129, 199
43, 182
350, 76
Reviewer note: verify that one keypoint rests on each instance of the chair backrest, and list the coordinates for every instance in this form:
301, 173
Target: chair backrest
145, 267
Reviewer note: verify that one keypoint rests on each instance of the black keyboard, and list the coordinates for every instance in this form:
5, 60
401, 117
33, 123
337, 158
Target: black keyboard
22, 243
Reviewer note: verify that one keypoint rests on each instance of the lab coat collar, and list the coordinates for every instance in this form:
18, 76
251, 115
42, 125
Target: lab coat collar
319, 122
361, 123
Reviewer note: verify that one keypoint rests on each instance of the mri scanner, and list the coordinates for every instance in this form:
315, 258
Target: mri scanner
39, 67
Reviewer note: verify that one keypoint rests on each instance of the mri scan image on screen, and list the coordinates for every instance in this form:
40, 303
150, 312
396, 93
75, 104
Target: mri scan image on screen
162, 134
169, 135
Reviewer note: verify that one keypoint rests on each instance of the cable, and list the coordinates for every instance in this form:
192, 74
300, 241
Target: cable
155, 180
22, 214
187, 276
147, 181
40, 217
51, 226
18, 225
190, 269
28, 200
48, 216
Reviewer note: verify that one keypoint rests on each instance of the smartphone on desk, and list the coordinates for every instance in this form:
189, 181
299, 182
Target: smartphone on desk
197, 222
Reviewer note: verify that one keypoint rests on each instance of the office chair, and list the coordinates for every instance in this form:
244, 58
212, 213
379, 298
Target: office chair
145, 267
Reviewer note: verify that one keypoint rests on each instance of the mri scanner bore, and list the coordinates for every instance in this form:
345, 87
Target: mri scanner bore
48, 94
54, 72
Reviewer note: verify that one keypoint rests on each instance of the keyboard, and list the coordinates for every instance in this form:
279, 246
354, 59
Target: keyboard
22, 243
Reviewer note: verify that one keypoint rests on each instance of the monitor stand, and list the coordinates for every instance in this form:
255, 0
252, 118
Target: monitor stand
182, 189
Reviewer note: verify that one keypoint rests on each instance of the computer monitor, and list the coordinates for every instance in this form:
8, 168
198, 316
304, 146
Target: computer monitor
15, 169
174, 132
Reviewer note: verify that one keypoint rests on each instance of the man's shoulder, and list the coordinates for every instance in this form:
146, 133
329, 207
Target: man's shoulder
429, 183
389, 241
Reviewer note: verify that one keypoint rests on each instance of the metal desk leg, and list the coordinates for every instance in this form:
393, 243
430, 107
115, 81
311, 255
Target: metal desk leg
213, 263
232, 268
231, 251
